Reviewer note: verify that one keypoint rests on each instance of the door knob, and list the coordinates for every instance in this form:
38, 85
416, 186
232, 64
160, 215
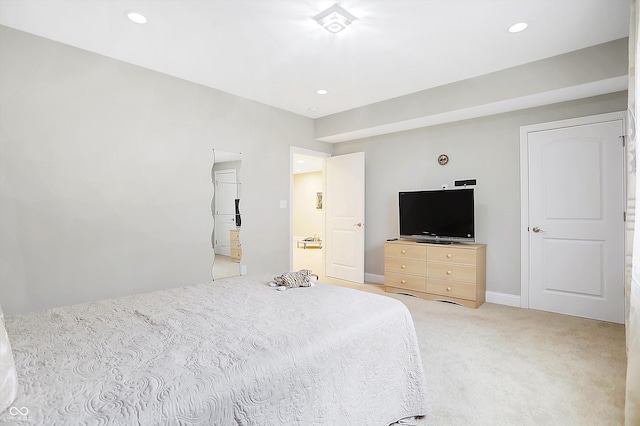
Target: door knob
359, 224
536, 229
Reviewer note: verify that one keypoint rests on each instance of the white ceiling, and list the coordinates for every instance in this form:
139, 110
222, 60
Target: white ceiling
271, 51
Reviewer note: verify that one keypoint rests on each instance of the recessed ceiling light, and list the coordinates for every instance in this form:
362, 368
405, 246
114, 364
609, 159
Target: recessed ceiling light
136, 17
322, 92
516, 28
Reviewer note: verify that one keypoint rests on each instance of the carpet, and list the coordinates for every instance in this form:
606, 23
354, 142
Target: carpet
498, 365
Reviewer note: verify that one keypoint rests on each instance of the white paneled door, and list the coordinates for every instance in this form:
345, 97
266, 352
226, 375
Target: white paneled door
344, 203
226, 191
576, 220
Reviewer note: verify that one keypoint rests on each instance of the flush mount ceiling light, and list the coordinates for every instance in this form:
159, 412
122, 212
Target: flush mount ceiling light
136, 17
516, 28
334, 19
321, 92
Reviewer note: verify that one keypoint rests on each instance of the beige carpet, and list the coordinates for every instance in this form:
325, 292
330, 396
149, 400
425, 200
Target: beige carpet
498, 365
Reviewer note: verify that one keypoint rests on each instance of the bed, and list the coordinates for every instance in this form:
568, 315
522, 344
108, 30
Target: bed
231, 352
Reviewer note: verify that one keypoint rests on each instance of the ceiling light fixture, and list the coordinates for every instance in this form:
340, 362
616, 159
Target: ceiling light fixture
334, 19
136, 17
516, 28
321, 92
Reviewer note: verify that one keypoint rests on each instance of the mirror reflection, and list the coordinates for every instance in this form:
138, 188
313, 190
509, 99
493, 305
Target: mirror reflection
227, 217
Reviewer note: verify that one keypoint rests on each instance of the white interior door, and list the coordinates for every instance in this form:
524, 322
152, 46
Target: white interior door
226, 192
576, 220
344, 204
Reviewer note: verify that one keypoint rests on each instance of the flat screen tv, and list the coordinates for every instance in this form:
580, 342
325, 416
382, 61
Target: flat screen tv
440, 216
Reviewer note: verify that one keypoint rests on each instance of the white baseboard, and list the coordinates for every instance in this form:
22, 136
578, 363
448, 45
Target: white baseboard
503, 299
373, 278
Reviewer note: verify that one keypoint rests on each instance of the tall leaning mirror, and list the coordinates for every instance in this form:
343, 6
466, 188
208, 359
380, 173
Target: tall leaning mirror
227, 218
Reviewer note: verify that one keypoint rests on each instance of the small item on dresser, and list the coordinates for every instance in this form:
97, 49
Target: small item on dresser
302, 278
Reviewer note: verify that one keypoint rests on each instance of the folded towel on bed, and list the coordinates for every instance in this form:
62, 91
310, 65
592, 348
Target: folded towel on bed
302, 278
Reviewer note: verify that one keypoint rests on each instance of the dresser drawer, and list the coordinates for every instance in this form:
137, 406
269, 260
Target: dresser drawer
451, 255
405, 266
451, 289
409, 282
451, 272
234, 235
236, 254
405, 251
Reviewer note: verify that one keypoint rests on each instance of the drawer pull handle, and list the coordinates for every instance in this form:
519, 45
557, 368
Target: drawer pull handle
403, 282
448, 288
403, 251
448, 254
448, 272
403, 266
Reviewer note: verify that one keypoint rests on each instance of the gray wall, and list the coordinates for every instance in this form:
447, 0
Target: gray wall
486, 149
105, 176
593, 71
105, 183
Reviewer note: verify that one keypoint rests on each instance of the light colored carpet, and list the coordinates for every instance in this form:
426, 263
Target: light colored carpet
498, 365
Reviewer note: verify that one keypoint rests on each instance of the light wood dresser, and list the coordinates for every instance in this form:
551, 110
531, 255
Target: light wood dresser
453, 273
236, 248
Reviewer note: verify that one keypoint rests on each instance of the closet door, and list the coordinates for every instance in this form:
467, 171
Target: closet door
576, 220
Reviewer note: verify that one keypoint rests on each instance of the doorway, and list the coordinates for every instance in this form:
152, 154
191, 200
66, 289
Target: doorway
573, 209
307, 210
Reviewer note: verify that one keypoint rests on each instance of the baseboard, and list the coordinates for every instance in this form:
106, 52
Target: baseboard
503, 299
373, 278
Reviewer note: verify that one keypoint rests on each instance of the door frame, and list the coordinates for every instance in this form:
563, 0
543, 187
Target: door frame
524, 186
297, 150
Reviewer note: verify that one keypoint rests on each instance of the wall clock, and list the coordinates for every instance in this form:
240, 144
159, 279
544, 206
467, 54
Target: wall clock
443, 159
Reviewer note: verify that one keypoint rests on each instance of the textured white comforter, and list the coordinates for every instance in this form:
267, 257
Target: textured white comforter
234, 351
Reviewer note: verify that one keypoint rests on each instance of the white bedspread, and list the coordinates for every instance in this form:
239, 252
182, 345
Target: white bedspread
230, 352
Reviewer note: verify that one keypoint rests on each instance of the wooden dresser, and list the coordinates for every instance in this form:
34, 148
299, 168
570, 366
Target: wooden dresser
236, 248
453, 273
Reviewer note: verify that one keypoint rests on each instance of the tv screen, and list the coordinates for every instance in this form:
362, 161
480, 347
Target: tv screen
438, 215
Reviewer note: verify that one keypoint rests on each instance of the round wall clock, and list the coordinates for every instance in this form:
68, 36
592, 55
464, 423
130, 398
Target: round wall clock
443, 159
